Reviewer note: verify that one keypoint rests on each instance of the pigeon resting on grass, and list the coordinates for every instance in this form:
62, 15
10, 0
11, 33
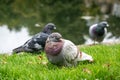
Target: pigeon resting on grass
37, 42
63, 52
98, 31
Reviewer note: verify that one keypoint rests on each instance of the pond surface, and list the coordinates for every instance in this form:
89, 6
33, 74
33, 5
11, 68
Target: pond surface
20, 20
12, 39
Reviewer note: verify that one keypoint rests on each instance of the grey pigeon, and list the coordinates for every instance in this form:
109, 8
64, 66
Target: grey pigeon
98, 31
37, 42
63, 52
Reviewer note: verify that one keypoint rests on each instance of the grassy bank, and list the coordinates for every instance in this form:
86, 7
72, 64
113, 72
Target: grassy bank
36, 67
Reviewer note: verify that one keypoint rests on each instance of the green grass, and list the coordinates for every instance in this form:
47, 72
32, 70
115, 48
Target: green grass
33, 67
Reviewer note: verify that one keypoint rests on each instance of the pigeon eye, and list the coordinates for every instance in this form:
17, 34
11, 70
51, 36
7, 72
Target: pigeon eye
105, 24
51, 27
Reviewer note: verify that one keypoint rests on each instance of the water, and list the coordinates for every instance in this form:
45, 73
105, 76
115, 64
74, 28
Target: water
108, 39
18, 24
12, 39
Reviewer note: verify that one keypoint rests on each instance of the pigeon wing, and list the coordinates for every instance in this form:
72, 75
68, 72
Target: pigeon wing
69, 52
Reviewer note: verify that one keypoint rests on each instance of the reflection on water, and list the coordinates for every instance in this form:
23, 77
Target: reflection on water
11, 39
109, 39
71, 22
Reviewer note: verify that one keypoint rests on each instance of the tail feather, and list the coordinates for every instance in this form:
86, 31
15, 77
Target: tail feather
83, 57
22, 49
19, 49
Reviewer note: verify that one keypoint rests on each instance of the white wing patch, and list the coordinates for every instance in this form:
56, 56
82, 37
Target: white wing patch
38, 46
35, 39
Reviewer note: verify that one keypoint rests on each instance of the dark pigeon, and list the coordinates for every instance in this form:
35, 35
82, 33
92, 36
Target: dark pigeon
98, 31
37, 42
63, 52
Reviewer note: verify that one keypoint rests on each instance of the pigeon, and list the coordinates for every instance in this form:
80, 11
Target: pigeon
98, 31
63, 52
37, 42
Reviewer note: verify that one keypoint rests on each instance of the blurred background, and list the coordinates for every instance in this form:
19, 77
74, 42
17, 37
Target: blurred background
21, 19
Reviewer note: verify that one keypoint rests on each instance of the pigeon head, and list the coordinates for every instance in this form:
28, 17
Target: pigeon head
103, 24
54, 44
48, 28
55, 37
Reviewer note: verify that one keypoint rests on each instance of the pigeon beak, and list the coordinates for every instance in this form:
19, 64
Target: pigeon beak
107, 25
60, 39
54, 27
